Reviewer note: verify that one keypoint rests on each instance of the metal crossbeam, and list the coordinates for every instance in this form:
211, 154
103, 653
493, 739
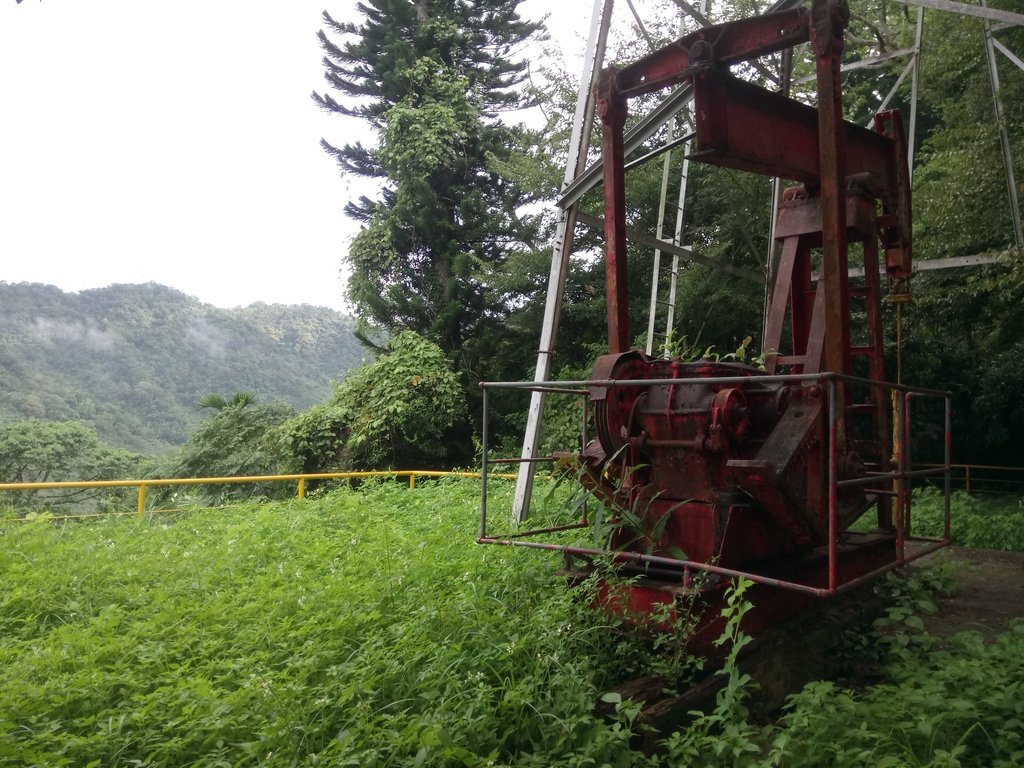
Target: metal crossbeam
644, 129
863, 63
1007, 53
596, 223
928, 265
992, 14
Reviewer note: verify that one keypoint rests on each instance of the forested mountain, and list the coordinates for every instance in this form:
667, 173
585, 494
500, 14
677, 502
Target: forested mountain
132, 360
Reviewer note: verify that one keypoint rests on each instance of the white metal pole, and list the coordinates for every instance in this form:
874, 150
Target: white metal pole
666, 168
575, 164
914, 86
684, 180
677, 239
1004, 136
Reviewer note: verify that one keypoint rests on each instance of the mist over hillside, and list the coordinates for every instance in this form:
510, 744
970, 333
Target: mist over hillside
132, 360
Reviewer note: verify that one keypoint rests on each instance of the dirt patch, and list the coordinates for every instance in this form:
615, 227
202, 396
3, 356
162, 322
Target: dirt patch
990, 592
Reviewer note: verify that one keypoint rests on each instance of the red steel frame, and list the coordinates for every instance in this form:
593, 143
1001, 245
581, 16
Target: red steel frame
743, 126
846, 171
902, 476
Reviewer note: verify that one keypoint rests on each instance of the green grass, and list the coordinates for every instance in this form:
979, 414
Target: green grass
959, 704
953, 703
985, 522
366, 628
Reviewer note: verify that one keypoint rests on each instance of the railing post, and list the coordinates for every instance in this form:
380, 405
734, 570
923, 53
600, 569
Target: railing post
483, 468
967, 478
949, 458
141, 509
833, 489
907, 492
302, 488
412, 481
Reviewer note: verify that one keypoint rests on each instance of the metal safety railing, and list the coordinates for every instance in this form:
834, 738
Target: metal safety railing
900, 478
143, 486
987, 478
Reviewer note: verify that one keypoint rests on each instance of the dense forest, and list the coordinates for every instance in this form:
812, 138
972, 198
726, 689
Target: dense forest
457, 245
132, 361
449, 270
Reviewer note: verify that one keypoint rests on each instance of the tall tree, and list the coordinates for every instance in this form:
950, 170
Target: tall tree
431, 77
36, 451
239, 439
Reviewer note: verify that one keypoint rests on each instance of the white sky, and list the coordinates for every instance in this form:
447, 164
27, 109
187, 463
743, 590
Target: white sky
176, 142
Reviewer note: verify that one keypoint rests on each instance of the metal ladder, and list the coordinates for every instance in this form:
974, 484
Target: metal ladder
658, 304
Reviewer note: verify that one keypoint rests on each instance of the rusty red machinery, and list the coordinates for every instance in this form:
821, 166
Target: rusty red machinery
723, 468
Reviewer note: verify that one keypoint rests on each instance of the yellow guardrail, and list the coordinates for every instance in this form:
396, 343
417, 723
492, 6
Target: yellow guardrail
965, 478
970, 483
144, 485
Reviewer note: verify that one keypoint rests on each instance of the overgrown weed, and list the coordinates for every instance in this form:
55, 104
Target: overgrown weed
365, 628
991, 522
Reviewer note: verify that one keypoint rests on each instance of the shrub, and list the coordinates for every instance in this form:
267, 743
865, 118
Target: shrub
404, 410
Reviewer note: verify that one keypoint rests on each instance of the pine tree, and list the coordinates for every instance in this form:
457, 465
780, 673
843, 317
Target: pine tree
431, 77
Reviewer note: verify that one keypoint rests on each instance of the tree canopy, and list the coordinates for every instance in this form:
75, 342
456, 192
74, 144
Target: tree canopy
448, 271
238, 439
37, 451
431, 78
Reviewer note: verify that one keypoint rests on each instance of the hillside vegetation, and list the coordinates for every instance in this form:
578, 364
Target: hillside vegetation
132, 360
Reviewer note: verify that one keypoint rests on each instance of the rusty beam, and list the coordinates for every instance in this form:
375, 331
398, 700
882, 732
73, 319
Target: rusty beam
611, 106
827, 26
720, 45
745, 127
